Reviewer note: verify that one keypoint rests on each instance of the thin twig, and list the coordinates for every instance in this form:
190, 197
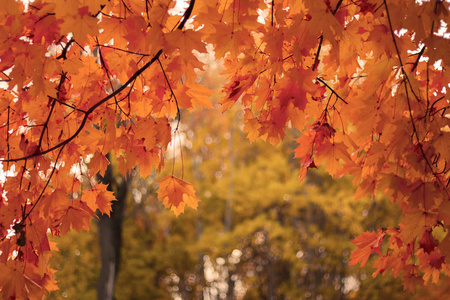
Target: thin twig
61, 82
418, 58
66, 104
185, 17
63, 54
393, 35
123, 50
333, 91
316, 60
7, 137
46, 184
337, 7
103, 64
273, 5
173, 94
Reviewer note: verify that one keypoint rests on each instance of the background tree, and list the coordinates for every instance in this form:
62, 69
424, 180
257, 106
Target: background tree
110, 233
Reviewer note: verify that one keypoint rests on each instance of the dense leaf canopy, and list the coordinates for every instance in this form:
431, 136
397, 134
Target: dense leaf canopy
364, 81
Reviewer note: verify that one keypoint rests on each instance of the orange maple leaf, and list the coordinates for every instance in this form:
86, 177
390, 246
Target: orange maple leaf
81, 24
77, 216
99, 163
367, 243
411, 277
432, 265
176, 194
99, 197
428, 242
19, 280
235, 88
251, 125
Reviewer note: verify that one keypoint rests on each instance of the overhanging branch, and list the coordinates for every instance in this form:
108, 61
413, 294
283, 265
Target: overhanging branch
90, 111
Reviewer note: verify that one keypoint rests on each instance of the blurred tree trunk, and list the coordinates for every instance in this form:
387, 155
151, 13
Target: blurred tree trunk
228, 211
110, 235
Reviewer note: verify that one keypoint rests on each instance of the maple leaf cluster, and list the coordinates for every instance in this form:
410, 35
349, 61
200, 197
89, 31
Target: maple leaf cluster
363, 81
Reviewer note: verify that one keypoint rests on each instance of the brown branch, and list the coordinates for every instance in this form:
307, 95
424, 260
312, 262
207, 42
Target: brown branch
127, 96
186, 16
434, 103
126, 7
8, 78
337, 7
111, 16
428, 87
45, 125
147, 4
43, 189
15, 122
66, 104
273, 5
393, 35
418, 58
7, 137
103, 64
63, 54
316, 60
331, 89
123, 50
44, 16
173, 94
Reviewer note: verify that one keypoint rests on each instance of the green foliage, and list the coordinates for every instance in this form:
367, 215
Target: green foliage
78, 264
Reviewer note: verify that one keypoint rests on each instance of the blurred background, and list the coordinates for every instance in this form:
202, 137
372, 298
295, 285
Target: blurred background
258, 232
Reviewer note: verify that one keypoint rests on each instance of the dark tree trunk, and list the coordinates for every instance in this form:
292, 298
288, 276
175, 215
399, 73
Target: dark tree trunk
228, 209
110, 236
231, 285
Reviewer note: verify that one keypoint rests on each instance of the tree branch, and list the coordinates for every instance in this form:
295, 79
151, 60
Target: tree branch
418, 58
316, 60
333, 91
173, 94
89, 111
337, 7
187, 14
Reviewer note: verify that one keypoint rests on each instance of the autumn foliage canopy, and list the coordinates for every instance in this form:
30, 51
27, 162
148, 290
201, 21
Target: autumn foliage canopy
364, 82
